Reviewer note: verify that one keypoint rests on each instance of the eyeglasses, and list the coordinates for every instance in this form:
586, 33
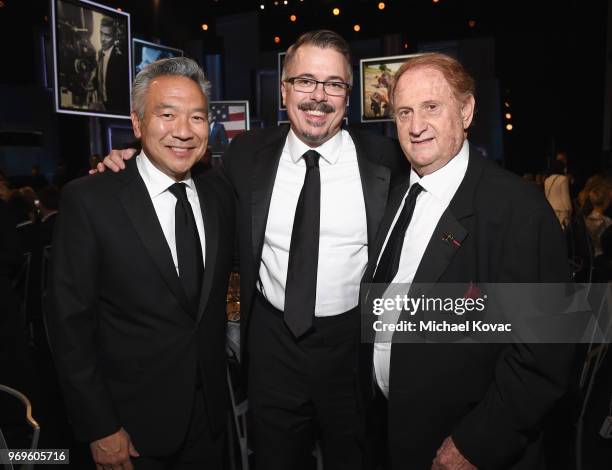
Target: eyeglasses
308, 85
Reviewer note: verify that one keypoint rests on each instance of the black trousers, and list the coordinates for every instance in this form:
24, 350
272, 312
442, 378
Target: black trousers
303, 390
200, 449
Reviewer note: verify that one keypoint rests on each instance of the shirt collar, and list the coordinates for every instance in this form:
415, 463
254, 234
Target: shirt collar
329, 151
155, 180
443, 183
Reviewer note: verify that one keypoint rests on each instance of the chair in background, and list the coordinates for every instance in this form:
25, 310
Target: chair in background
31, 422
21, 283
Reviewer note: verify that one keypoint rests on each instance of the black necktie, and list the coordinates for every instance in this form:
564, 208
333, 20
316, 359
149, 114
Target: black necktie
188, 247
389, 261
301, 286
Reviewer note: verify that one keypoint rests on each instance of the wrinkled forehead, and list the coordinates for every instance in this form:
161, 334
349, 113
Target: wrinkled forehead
422, 84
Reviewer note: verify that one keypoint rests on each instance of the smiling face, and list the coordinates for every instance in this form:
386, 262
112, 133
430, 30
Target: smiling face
431, 121
174, 126
315, 117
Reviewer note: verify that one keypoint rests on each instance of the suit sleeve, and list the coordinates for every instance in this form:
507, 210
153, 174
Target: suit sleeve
226, 172
72, 320
528, 378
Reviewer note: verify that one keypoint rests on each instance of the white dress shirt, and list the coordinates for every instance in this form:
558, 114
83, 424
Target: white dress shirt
164, 202
343, 239
439, 189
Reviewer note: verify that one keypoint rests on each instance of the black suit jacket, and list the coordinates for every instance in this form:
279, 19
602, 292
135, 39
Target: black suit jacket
118, 83
490, 397
217, 138
127, 343
251, 163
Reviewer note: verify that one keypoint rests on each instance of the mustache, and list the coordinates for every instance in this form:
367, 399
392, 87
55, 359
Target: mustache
313, 106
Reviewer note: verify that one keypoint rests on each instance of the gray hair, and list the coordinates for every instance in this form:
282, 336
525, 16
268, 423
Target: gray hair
323, 39
174, 66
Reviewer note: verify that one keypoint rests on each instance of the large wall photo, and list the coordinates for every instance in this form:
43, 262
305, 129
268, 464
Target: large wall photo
145, 52
91, 46
376, 75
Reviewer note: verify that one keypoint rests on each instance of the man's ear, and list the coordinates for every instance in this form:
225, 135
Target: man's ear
467, 111
136, 124
283, 92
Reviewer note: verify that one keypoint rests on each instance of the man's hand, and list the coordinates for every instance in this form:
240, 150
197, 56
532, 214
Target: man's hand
114, 161
113, 452
448, 457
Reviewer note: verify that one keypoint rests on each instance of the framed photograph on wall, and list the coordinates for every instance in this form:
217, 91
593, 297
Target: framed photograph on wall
120, 135
227, 119
91, 57
143, 53
376, 74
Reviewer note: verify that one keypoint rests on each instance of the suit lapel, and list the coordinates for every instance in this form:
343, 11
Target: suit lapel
375, 180
211, 231
451, 230
140, 210
265, 166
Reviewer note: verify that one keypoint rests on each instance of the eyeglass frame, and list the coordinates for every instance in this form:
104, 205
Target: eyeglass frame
316, 82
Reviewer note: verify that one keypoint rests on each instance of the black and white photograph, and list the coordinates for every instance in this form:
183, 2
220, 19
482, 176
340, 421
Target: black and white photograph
376, 75
144, 52
91, 44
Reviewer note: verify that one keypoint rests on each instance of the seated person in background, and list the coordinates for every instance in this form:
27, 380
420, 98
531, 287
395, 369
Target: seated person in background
48, 204
603, 263
596, 222
556, 189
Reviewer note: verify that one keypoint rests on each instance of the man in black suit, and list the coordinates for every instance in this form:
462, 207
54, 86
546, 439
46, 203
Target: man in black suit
112, 70
141, 261
218, 140
310, 200
459, 218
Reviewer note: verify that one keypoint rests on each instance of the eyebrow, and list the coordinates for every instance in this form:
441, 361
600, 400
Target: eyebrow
171, 106
333, 78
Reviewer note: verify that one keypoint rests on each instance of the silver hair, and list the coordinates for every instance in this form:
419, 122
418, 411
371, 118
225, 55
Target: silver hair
174, 66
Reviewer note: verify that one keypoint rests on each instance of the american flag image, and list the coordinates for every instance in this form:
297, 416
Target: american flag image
233, 117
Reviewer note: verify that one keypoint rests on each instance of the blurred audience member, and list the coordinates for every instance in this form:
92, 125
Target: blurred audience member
61, 175
37, 179
596, 222
556, 189
5, 188
583, 196
11, 322
23, 211
603, 263
48, 204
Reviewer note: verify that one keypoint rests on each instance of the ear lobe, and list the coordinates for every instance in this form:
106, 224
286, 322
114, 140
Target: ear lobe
283, 92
